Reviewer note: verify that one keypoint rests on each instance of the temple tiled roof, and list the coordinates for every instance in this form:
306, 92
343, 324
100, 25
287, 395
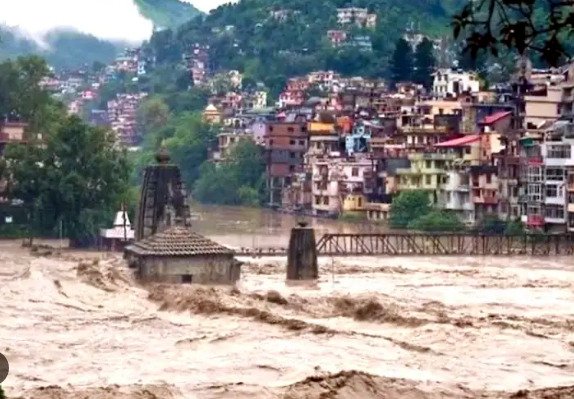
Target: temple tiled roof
177, 241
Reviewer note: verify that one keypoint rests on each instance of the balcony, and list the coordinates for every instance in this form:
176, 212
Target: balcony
408, 171
432, 157
535, 220
535, 161
424, 129
465, 188
486, 200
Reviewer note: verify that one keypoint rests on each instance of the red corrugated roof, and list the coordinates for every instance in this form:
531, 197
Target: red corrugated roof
496, 117
460, 142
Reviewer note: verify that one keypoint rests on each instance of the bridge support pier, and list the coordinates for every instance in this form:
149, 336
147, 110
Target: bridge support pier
302, 254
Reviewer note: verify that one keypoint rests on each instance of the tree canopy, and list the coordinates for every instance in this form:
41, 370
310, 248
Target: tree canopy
408, 206
75, 177
237, 181
424, 63
402, 62
70, 174
542, 27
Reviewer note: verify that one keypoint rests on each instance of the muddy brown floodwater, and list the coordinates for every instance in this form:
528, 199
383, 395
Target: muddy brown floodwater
77, 326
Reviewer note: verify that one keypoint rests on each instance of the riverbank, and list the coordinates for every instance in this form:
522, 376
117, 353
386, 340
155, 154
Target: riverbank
405, 328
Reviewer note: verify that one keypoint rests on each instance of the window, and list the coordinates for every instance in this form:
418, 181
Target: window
301, 142
360, 202
555, 174
317, 200
558, 151
428, 164
291, 142
428, 179
292, 155
186, 279
325, 200
291, 168
488, 178
555, 212
355, 172
552, 191
467, 150
270, 128
271, 142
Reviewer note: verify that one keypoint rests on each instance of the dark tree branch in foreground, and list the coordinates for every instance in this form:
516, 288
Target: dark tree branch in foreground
542, 27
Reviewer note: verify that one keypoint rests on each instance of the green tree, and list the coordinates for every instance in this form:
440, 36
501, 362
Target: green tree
152, 114
75, 177
437, 221
424, 63
20, 93
408, 206
491, 224
216, 186
237, 181
2, 395
190, 144
514, 228
402, 62
246, 163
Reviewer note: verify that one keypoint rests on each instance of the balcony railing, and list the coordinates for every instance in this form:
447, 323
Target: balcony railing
535, 220
432, 157
487, 200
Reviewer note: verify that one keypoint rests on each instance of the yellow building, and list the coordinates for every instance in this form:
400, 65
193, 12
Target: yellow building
354, 203
212, 115
427, 172
320, 128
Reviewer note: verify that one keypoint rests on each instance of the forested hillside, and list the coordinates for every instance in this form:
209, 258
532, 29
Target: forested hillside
64, 48
167, 13
61, 48
250, 37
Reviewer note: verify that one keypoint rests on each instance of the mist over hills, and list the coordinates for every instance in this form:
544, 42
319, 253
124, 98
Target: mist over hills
70, 46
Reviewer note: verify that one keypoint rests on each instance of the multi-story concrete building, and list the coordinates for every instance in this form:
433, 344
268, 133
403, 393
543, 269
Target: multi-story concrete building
336, 180
285, 146
427, 172
452, 83
454, 192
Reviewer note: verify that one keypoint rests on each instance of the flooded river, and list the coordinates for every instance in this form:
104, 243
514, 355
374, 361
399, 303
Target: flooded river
78, 325
253, 227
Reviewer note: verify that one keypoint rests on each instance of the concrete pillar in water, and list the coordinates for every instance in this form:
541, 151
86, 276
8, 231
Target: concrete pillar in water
302, 255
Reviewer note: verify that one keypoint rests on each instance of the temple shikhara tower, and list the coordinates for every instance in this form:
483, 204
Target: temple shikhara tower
166, 249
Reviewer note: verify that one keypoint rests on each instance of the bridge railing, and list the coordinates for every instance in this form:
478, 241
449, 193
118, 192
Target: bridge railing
445, 244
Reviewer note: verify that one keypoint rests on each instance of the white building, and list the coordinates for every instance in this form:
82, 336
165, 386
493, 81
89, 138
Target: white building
356, 15
452, 83
336, 178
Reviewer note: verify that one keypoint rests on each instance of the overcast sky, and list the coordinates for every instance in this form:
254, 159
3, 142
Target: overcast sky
89, 16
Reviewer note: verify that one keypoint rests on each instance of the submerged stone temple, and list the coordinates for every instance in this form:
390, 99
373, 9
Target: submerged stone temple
166, 249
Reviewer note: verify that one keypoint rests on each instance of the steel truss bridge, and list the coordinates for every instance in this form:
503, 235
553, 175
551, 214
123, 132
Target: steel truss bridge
444, 244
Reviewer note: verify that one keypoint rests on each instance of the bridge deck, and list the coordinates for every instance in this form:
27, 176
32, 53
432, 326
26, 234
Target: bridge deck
409, 244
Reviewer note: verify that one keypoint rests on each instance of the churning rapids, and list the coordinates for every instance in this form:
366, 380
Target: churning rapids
78, 326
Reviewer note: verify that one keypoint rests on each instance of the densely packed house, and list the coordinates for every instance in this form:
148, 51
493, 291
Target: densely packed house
336, 145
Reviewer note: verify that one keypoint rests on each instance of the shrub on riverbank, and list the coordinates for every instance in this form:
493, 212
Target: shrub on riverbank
437, 221
409, 206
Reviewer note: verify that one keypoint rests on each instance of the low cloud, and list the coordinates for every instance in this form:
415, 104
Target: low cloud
105, 19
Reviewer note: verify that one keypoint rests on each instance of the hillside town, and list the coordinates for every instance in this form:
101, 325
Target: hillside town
346, 146
355, 144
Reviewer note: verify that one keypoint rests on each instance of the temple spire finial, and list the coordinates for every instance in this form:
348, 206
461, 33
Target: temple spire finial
162, 156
